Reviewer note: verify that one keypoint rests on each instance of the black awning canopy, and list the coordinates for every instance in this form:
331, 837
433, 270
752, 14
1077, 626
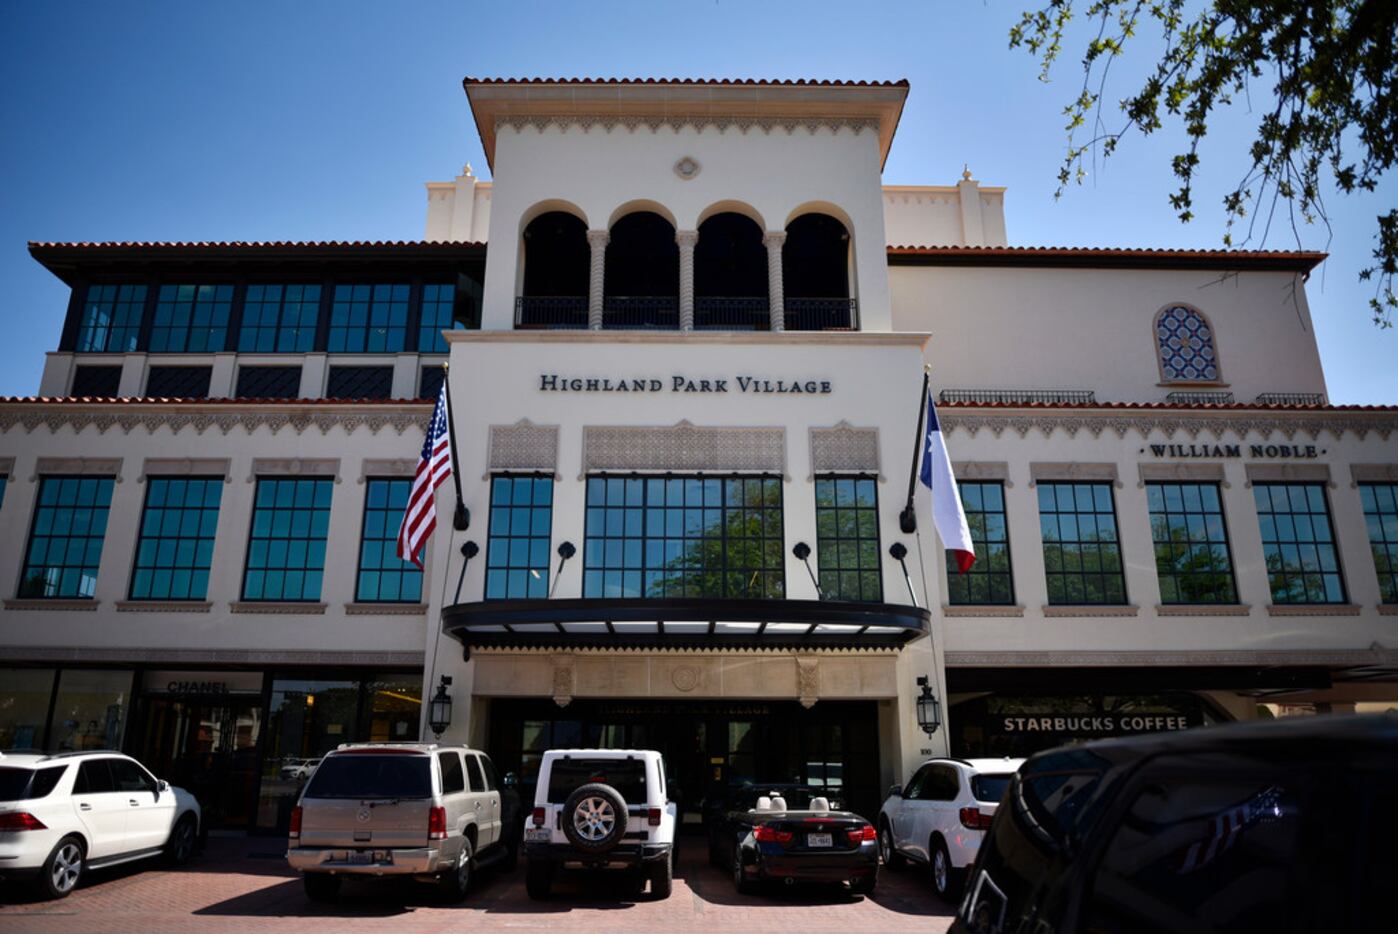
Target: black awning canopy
684, 623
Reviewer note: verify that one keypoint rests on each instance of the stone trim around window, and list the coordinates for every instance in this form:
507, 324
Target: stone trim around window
1313, 609
1181, 473
7, 466
983, 471
1287, 473
376, 467
523, 446
683, 447
1203, 609
186, 467
385, 609
1072, 472
982, 611
1364, 473
278, 607
78, 466
295, 467
1056, 611
843, 448
164, 606
1388, 609
52, 603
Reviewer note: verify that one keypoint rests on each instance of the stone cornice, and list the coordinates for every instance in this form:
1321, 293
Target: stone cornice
278, 608
385, 609
982, 611
743, 123
1144, 423
633, 652
163, 606
1313, 609
1335, 658
1095, 610
222, 418
1203, 609
52, 604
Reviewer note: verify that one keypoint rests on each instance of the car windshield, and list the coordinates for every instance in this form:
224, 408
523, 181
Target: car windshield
18, 784
627, 776
372, 776
989, 788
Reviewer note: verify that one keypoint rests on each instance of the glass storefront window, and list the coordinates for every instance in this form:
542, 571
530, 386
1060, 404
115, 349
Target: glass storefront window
306, 719
24, 703
91, 710
395, 708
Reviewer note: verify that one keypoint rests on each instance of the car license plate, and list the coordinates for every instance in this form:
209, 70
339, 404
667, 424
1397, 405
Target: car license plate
819, 839
537, 835
361, 857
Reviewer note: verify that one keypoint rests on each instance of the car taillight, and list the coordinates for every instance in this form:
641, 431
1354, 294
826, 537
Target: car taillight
863, 834
20, 820
538, 817
653, 817
437, 824
975, 819
295, 832
772, 835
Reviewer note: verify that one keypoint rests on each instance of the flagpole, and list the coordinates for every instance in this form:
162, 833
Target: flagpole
907, 519
461, 520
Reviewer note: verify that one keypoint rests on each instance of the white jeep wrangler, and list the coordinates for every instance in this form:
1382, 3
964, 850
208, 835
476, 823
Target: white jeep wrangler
601, 809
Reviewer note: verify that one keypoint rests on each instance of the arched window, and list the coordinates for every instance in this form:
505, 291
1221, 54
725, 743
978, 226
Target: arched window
815, 274
642, 279
730, 274
556, 264
1186, 345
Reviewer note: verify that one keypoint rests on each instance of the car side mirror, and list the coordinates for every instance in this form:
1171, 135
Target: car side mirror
161, 787
511, 780
896, 791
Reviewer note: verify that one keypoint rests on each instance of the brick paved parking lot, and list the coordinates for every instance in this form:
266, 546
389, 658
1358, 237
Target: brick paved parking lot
242, 884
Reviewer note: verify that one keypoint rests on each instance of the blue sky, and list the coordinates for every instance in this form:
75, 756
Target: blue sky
310, 120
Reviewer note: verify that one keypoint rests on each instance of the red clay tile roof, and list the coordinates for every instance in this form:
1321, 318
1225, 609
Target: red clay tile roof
1298, 260
788, 82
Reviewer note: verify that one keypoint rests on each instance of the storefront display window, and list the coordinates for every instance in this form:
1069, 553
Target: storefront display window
394, 708
24, 706
91, 709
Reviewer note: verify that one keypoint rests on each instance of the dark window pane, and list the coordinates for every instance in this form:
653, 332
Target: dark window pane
286, 550
360, 382
175, 550
1075, 519
1298, 542
269, 382
111, 319
1381, 517
1201, 572
178, 382
97, 381
65, 542
519, 536
847, 539
383, 576
989, 580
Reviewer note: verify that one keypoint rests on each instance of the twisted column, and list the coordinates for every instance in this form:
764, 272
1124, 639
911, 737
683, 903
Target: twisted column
687, 239
597, 240
776, 309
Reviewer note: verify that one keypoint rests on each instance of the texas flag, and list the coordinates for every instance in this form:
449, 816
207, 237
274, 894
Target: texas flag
947, 514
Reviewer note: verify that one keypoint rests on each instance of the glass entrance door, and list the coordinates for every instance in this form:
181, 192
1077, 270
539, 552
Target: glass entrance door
209, 748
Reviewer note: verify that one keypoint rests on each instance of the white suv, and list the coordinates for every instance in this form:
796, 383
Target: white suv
64, 814
940, 816
601, 809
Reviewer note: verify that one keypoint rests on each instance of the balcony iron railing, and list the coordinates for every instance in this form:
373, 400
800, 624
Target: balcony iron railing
550, 312
1191, 397
1021, 396
641, 313
1290, 398
715, 313
821, 314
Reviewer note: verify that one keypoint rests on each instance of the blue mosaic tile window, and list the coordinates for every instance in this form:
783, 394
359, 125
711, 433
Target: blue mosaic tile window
1186, 344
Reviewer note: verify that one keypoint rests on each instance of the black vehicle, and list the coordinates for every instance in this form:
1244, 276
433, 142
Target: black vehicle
1276, 826
774, 841
718, 807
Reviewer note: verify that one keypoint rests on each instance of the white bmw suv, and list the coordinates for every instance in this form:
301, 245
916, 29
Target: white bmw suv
940, 816
61, 815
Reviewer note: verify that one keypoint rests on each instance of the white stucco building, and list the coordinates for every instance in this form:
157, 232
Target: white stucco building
687, 327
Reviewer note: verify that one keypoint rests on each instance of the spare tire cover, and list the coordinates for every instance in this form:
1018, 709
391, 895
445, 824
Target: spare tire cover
594, 817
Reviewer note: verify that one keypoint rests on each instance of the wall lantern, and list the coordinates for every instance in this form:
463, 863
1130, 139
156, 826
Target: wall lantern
439, 709
929, 709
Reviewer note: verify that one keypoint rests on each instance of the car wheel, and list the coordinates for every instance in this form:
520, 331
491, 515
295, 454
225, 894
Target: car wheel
741, 882
887, 851
662, 878
455, 882
321, 886
594, 817
538, 880
180, 847
63, 869
945, 879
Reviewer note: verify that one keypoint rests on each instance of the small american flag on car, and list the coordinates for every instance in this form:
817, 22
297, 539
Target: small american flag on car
1227, 826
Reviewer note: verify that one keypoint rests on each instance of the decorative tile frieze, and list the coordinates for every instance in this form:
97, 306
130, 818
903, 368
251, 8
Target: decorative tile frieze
845, 448
676, 122
524, 446
178, 418
683, 447
1145, 423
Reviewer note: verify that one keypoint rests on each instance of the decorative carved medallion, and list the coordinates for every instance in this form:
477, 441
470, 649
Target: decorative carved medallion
808, 681
685, 678
564, 678
687, 168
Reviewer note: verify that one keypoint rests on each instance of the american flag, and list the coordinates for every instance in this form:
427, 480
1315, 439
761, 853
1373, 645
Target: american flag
1225, 827
420, 516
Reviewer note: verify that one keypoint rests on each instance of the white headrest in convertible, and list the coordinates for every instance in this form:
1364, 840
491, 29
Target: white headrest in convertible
778, 803
764, 803
820, 804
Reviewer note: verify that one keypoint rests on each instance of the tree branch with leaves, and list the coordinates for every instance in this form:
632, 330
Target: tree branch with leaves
1331, 121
